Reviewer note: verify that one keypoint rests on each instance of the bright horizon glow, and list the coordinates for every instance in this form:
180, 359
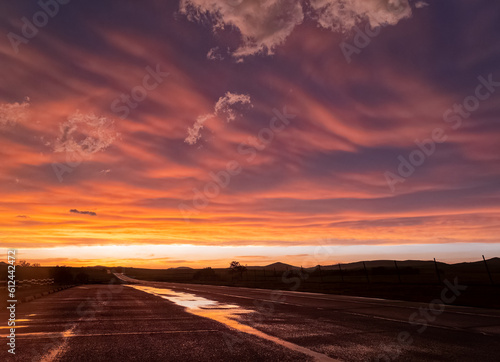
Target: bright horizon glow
169, 256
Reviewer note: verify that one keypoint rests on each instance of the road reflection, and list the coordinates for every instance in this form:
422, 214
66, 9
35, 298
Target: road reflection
227, 314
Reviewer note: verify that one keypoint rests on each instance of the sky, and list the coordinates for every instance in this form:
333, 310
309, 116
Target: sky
196, 132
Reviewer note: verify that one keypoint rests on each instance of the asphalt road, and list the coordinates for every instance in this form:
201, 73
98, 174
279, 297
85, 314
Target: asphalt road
147, 321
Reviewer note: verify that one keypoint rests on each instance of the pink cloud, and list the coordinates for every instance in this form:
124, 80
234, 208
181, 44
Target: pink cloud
12, 113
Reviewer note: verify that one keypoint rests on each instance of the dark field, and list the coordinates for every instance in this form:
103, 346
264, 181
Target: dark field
411, 281
39, 281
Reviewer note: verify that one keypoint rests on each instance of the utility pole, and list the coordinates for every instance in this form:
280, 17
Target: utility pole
341, 275
437, 271
320, 274
366, 272
488, 270
397, 271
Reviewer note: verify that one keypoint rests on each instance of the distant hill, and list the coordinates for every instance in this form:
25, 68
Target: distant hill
383, 263
278, 266
493, 263
181, 267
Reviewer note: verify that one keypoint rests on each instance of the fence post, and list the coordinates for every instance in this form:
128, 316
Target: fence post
341, 275
437, 271
397, 270
488, 270
366, 272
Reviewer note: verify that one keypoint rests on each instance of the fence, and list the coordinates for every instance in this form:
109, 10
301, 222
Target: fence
28, 282
382, 272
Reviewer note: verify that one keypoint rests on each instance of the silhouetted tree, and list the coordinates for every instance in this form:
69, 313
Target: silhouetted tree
236, 268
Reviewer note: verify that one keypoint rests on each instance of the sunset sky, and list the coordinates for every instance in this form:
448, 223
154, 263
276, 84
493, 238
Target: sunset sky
195, 132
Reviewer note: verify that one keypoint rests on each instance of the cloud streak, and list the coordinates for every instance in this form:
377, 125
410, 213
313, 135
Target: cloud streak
85, 134
75, 211
344, 15
12, 113
264, 25
225, 107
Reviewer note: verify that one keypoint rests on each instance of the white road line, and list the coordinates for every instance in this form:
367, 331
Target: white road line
43, 335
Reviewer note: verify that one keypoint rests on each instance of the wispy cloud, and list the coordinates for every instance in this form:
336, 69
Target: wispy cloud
12, 113
421, 4
85, 134
214, 54
224, 107
265, 24
194, 132
75, 211
344, 15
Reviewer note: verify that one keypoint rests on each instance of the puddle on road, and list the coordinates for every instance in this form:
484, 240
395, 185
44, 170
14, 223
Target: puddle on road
224, 313
187, 300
